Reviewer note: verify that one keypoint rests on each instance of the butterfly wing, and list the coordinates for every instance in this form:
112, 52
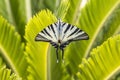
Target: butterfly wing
71, 33
61, 33
48, 34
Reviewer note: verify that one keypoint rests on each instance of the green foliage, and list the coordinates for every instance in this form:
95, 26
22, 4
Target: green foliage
43, 4
96, 25
62, 9
102, 63
31, 60
11, 48
14, 11
5, 74
37, 61
73, 13
100, 19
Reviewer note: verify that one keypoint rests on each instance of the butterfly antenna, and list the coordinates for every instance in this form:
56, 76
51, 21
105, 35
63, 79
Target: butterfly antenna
57, 54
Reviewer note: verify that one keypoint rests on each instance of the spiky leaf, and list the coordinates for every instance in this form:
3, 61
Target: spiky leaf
15, 12
103, 63
11, 48
6, 74
37, 52
100, 19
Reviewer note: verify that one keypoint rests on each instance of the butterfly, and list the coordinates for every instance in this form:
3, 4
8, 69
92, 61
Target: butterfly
60, 34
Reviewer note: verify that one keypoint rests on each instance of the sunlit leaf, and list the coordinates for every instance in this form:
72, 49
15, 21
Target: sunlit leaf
6, 74
103, 63
72, 16
11, 48
62, 9
38, 51
100, 19
15, 12
38, 5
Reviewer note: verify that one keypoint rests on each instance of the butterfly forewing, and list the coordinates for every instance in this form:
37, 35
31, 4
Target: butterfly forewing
72, 33
48, 34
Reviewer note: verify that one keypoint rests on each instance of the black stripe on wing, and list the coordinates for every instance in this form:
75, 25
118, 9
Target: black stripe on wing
44, 35
83, 36
53, 30
54, 44
68, 26
72, 33
48, 34
76, 34
41, 38
63, 45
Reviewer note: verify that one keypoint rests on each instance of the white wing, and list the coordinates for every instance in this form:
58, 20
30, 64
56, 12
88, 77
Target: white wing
71, 33
63, 32
48, 34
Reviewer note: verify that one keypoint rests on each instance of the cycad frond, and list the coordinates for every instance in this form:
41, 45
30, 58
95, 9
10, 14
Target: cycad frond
100, 19
103, 63
38, 52
6, 74
12, 49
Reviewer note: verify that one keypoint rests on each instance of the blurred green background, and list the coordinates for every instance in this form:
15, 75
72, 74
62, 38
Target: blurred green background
21, 58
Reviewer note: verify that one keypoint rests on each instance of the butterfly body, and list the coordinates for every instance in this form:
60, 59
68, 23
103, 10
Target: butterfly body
60, 34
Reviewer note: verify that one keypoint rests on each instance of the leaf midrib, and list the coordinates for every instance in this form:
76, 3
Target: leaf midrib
117, 30
9, 11
77, 13
113, 73
6, 57
28, 9
99, 28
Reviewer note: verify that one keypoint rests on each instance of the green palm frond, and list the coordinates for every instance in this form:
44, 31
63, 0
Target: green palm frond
96, 25
11, 48
43, 4
100, 19
6, 74
103, 63
110, 27
15, 12
72, 60
73, 13
44, 56
62, 9
37, 52
18, 12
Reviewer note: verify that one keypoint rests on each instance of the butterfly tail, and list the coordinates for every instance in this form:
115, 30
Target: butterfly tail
62, 55
57, 54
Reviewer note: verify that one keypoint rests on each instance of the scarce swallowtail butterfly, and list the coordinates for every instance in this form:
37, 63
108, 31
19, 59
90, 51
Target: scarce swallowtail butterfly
60, 34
